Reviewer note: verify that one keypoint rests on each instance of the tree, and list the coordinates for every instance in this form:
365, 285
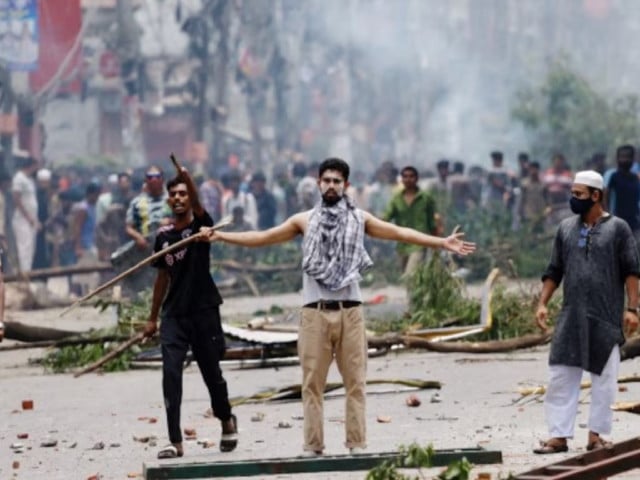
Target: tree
565, 113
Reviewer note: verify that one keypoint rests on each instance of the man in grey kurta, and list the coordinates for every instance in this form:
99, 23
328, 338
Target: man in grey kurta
595, 254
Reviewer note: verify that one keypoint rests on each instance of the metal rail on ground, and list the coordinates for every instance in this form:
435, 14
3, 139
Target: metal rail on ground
326, 463
595, 465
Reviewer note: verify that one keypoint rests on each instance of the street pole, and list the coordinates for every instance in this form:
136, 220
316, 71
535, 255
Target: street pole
7, 99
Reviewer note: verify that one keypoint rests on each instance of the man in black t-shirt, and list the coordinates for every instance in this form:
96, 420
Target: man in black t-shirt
190, 314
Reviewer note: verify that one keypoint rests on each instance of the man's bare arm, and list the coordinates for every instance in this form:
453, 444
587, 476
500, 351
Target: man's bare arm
196, 206
548, 287
284, 232
631, 284
389, 231
136, 236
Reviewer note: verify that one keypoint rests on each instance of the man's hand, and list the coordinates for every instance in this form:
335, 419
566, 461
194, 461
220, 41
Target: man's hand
455, 244
207, 234
542, 318
150, 328
141, 242
630, 322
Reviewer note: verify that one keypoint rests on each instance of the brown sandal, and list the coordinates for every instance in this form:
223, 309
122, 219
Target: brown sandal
599, 443
549, 447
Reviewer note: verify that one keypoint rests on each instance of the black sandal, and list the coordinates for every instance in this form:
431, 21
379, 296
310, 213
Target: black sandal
229, 441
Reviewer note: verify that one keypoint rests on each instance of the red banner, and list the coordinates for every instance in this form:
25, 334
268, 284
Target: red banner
59, 62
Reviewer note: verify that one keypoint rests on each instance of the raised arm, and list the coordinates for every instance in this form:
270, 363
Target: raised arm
194, 197
377, 228
284, 232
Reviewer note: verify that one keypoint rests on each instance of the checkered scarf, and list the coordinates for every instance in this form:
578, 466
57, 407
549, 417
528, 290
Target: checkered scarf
333, 247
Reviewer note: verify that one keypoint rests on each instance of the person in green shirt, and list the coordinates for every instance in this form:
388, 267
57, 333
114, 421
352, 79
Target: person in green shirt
413, 208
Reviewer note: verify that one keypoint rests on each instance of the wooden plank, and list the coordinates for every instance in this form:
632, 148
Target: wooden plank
325, 463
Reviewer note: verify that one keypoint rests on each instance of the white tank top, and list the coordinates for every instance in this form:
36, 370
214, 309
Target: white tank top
312, 291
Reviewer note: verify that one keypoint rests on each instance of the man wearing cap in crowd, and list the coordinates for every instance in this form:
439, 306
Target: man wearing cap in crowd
145, 213
595, 255
42, 257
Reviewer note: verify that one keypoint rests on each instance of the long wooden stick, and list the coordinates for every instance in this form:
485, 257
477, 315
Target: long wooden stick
139, 265
174, 160
112, 354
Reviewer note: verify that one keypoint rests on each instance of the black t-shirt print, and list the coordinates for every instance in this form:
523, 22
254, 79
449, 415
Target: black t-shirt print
191, 287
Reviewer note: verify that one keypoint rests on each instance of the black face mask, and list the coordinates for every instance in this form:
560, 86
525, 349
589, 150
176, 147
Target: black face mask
580, 206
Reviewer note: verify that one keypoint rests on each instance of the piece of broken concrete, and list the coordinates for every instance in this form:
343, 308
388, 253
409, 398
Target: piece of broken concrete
413, 401
257, 417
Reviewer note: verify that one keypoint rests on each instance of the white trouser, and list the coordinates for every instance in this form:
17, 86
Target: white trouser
25, 235
563, 394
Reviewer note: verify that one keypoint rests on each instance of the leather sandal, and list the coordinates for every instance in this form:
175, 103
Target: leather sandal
599, 443
550, 447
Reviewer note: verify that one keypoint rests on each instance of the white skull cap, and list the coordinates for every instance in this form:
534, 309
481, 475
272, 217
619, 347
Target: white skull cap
590, 178
43, 175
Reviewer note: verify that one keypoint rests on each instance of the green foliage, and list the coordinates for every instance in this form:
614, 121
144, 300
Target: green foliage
436, 295
273, 310
68, 358
566, 112
526, 250
131, 315
415, 456
459, 470
514, 312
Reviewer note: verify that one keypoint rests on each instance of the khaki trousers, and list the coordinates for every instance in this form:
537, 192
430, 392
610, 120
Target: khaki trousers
323, 336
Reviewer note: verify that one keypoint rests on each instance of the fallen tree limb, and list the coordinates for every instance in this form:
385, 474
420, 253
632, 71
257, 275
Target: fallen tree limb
45, 273
31, 333
67, 342
293, 392
137, 338
524, 391
491, 346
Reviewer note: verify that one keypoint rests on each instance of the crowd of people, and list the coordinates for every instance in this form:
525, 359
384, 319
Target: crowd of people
70, 216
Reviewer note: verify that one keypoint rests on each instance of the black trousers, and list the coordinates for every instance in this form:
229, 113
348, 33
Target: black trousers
203, 332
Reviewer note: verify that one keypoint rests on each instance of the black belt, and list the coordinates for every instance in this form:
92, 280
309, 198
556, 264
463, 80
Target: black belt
333, 305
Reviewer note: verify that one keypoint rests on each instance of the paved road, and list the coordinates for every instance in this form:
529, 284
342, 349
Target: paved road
477, 407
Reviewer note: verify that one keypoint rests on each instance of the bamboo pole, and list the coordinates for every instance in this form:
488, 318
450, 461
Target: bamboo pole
138, 337
142, 263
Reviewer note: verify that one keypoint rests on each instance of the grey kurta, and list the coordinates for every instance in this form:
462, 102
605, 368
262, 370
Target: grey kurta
594, 264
